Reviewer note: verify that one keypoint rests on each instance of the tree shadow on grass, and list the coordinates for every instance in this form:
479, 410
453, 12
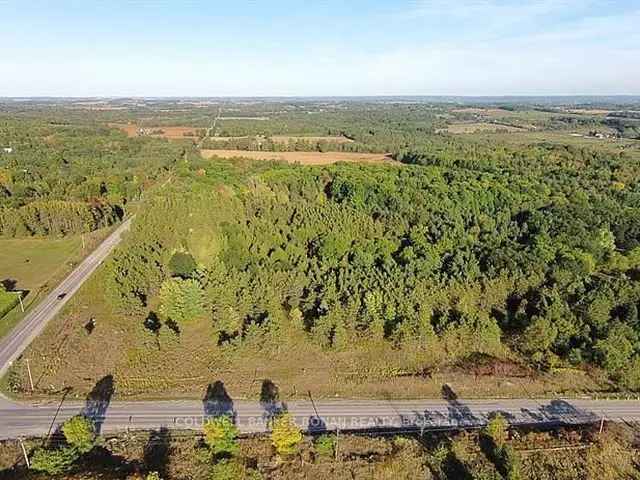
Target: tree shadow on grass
217, 401
270, 400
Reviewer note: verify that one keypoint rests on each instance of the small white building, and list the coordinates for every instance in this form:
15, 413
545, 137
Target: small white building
7, 150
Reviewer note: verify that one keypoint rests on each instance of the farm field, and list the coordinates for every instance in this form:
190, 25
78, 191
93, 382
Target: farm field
169, 132
461, 128
293, 138
304, 158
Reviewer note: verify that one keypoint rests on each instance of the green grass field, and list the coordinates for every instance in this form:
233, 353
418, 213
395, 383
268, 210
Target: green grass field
36, 265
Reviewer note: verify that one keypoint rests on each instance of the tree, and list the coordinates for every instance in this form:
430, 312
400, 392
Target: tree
285, 434
615, 351
53, 461
181, 300
182, 265
496, 430
539, 336
220, 435
80, 433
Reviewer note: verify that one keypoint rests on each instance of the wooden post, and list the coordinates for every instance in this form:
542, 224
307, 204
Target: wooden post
601, 425
337, 443
30, 377
24, 452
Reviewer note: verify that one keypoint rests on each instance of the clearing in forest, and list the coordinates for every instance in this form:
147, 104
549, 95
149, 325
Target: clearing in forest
305, 158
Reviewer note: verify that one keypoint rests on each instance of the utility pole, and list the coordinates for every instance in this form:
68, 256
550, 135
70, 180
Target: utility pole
24, 452
83, 241
601, 425
337, 443
30, 377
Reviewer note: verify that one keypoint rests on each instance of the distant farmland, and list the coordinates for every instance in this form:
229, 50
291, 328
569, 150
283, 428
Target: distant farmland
293, 138
174, 133
305, 158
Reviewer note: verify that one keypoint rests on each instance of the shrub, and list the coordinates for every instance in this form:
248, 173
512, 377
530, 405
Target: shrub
227, 470
325, 445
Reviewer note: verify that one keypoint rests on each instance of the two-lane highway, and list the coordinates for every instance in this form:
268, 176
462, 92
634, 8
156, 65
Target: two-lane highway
12, 346
329, 415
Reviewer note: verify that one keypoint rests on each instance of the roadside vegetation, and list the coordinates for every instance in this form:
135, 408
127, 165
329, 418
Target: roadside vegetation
496, 452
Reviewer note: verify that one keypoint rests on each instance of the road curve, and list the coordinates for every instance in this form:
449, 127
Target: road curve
12, 346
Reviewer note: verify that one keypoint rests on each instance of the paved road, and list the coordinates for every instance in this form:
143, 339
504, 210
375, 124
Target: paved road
21, 420
34, 322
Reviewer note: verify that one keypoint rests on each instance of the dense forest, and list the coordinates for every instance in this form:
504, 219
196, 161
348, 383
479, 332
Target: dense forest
56, 180
470, 250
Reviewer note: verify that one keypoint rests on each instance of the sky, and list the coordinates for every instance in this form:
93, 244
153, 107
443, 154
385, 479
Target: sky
322, 47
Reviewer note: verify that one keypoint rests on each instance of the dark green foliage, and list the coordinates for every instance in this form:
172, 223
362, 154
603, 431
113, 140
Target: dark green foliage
182, 265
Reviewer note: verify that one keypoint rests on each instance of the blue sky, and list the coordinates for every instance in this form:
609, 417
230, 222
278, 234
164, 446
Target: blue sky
326, 47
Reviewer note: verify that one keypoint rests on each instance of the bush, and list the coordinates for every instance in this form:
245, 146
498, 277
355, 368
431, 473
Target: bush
8, 300
325, 445
227, 470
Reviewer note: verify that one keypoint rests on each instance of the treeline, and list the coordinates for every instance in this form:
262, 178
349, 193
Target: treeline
57, 217
296, 145
465, 254
57, 180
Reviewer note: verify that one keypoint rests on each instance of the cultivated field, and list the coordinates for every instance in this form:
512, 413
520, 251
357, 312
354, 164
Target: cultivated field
172, 133
458, 128
489, 112
305, 158
293, 138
